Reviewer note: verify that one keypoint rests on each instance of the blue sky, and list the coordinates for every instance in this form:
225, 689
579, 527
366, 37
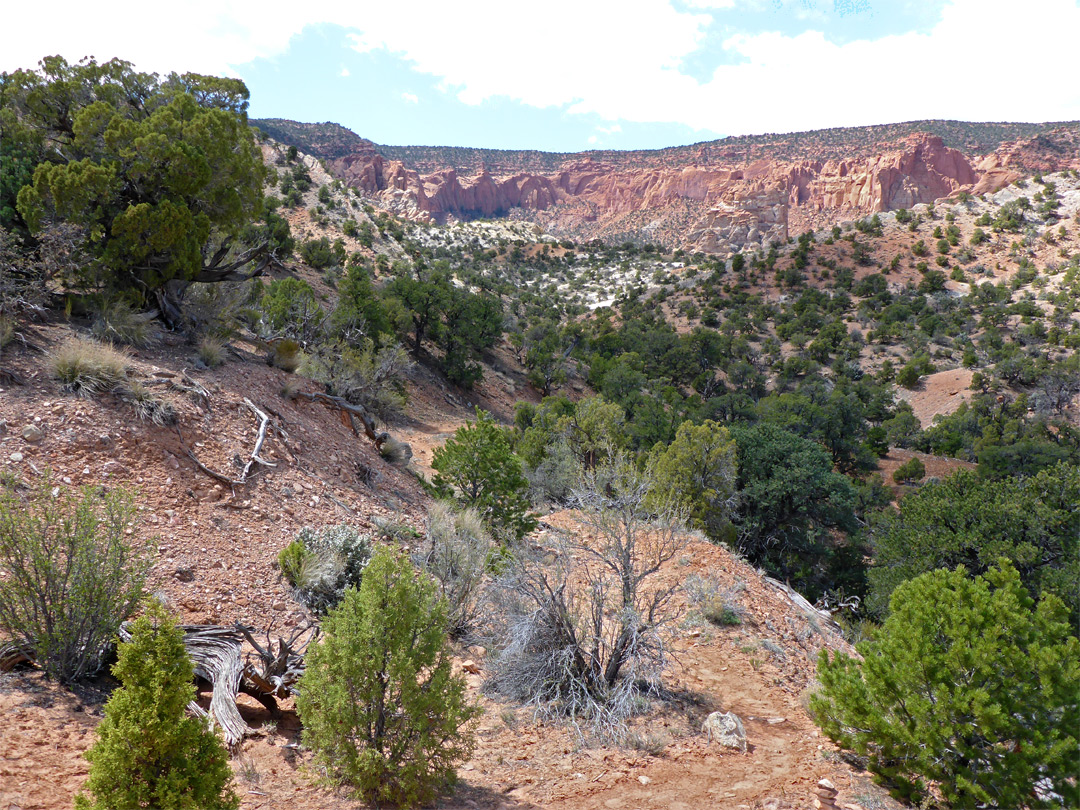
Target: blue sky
566, 75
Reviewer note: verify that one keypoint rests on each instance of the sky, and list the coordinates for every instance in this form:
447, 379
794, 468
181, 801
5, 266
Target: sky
569, 75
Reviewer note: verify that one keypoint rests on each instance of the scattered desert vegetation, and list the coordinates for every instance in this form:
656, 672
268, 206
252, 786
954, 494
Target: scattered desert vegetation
874, 419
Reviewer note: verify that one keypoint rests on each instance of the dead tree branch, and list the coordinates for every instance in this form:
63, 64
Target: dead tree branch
351, 411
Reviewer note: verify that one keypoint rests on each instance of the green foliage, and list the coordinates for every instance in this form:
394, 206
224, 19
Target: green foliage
157, 172
149, 752
698, 471
69, 574
911, 470
363, 375
289, 308
327, 563
789, 500
322, 253
359, 310
968, 689
477, 467
380, 705
967, 520
294, 561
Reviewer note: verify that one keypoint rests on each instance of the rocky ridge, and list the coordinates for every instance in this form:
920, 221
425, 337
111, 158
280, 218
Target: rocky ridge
714, 202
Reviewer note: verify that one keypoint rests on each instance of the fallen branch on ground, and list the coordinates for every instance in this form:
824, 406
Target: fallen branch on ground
351, 411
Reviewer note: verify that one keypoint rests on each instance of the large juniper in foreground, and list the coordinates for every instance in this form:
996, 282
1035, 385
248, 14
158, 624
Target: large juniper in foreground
969, 691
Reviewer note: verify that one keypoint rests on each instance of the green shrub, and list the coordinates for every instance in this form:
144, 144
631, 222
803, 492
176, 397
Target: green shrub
334, 560
968, 689
69, 575
478, 468
381, 708
965, 519
908, 376
364, 375
911, 470
294, 561
149, 752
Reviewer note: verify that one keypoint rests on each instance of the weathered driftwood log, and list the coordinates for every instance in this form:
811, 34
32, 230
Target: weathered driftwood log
804, 607
218, 658
13, 655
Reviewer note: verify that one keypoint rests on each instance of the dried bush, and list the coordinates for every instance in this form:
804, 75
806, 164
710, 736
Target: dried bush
212, 351
148, 404
580, 630
88, 368
118, 321
286, 355
720, 606
69, 574
458, 552
554, 478
365, 376
7, 330
220, 309
336, 558
396, 452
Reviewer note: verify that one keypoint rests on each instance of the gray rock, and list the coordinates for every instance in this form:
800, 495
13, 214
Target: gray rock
726, 729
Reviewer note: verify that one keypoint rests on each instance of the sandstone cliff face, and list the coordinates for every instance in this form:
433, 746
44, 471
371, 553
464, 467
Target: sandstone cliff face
716, 208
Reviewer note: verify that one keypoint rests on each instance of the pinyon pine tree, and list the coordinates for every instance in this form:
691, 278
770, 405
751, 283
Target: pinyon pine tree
381, 708
149, 752
968, 691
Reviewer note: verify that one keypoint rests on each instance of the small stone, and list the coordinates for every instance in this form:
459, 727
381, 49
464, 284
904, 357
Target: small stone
471, 667
278, 606
774, 721
113, 468
644, 780
32, 433
16, 457
185, 574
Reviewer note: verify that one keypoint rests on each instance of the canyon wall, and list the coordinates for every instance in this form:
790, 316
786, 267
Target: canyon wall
711, 208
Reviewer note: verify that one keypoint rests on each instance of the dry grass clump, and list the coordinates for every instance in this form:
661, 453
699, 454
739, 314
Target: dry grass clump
119, 322
7, 330
87, 367
212, 351
148, 405
396, 452
286, 355
720, 606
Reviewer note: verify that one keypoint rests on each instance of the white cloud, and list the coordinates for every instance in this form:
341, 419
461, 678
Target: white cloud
592, 140
410, 98
344, 73
983, 60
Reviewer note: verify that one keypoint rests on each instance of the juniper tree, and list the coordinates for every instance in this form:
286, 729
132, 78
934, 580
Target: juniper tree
381, 707
149, 752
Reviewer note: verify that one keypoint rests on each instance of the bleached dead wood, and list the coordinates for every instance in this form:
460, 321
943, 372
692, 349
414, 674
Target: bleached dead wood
13, 655
264, 422
804, 607
215, 654
254, 458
